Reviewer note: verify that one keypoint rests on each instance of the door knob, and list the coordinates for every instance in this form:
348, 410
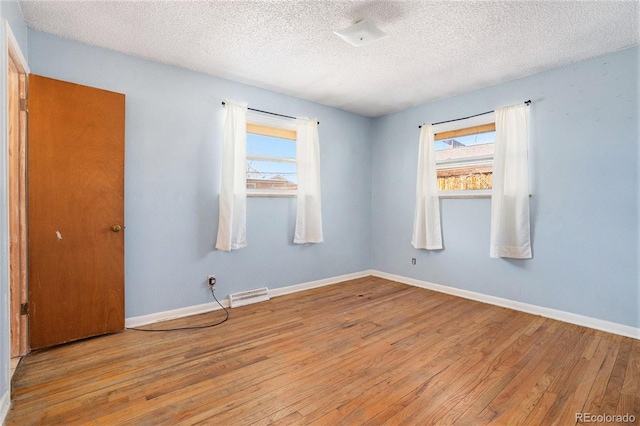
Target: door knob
116, 228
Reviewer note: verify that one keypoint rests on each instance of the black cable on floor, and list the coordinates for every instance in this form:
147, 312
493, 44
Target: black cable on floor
195, 327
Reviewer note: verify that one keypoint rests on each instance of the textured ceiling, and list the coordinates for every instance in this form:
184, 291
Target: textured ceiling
433, 49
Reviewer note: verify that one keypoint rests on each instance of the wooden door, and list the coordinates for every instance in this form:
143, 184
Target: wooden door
76, 211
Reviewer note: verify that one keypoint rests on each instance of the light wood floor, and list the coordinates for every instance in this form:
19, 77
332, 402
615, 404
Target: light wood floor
14, 364
368, 351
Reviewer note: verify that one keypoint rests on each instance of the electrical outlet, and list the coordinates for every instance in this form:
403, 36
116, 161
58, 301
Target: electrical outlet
413, 260
211, 280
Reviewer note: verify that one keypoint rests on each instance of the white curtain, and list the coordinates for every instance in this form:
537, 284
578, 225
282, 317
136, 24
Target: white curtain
427, 233
309, 212
232, 225
510, 229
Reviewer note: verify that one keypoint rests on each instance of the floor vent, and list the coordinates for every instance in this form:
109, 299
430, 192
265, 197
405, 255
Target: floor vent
248, 297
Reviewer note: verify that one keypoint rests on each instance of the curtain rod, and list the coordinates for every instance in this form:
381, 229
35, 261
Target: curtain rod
471, 116
267, 112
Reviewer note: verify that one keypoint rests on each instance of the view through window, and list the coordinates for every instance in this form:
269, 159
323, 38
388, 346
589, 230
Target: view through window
464, 158
271, 161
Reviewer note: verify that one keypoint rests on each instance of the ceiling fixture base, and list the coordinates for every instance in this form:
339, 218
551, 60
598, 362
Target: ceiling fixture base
361, 33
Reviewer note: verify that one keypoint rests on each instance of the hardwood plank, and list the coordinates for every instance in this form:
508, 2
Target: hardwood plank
495, 376
598, 390
595, 357
529, 379
445, 349
616, 378
564, 376
430, 398
309, 389
367, 351
536, 417
631, 386
363, 401
543, 395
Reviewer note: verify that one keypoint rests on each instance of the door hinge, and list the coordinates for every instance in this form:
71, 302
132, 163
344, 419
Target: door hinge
24, 309
24, 105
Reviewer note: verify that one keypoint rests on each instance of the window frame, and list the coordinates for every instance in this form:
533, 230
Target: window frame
276, 127
484, 123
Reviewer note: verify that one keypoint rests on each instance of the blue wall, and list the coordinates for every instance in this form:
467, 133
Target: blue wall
584, 181
174, 124
584, 178
10, 11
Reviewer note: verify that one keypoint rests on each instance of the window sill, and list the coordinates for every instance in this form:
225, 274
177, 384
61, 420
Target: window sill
466, 194
474, 193
272, 194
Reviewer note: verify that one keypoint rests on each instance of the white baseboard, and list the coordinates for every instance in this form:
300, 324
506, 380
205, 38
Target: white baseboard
598, 324
5, 404
208, 307
174, 313
319, 283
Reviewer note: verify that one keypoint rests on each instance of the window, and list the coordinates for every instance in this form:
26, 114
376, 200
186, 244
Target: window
271, 157
464, 157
